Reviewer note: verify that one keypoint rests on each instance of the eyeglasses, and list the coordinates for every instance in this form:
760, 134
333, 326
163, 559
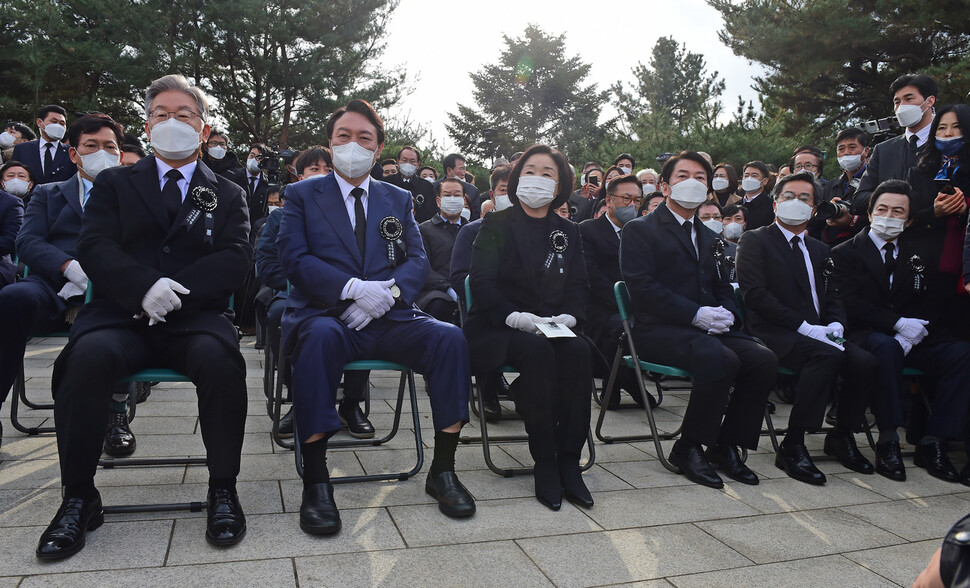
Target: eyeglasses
808, 166
161, 115
626, 200
216, 143
804, 197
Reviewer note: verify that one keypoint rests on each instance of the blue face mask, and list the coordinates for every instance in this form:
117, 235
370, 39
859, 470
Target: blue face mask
951, 146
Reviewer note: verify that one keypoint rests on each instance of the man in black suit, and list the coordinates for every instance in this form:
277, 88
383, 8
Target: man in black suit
255, 183
852, 149
422, 191
454, 165
438, 234
913, 99
894, 299
756, 203
601, 248
47, 157
792, 305
11, 219
165, 242
685, 316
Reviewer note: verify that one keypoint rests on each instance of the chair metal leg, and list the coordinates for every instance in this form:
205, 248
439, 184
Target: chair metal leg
277, 405
20, 395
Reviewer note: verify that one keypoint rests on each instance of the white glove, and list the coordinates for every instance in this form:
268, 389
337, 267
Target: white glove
373, 297
567, 320
720, 326
70, 290
76, 275
355, 317
912, 329
705, 317
836, 329
905, 343
818, 333
525, 321
161, 299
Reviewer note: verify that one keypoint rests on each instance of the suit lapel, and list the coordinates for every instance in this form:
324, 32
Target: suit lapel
785, 250
872, 260
675, 225
378, 208
903, 277
145, 179
202, 176
331, 204
818, 268
612, 236
71, 191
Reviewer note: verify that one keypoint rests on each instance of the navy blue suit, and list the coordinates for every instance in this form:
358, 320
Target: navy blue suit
11, 218
319, 254
28, 153
47, 239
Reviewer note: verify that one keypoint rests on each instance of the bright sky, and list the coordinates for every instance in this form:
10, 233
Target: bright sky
441, 41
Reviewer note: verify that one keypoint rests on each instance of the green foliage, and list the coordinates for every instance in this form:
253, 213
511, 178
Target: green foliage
533, 94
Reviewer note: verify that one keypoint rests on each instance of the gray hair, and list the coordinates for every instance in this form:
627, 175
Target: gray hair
646, 171
176, 83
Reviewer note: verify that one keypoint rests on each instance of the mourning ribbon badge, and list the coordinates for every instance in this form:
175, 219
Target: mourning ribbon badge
557, 246
204, 202
391, 230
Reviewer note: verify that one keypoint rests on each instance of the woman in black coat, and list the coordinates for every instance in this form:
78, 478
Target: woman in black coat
528, 268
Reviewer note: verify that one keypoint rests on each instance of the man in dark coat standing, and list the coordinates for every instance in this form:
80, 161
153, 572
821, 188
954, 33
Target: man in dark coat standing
164, 242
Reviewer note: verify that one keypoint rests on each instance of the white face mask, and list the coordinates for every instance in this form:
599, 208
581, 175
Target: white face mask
732, 231
6, 140
95, 163
750, 184
217, 152
649, 189
428, 178
252, 165
718, 184
466, 214
887, 228
851, 163
452, 205
408, 169
55, 131
174, 139
689, 193
16, 186
536, 191
908, 115
353, 160
271, 209
626, 170
502, 202
793, 212
714, 225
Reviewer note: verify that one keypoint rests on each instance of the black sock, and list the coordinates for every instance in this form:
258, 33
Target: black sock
222, 483
794, 436
315, 462
445, 445
85, 490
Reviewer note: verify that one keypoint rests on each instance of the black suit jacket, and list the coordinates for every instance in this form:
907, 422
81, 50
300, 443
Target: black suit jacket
601, 248
422, 192
776, 298
255, 201
871, 305
580, 208
127, 243
11, 218
890, 160
668, 280
48, 237
28, 153
759, 212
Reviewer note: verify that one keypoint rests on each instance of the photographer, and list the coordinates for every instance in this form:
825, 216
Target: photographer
834, 223
256, 181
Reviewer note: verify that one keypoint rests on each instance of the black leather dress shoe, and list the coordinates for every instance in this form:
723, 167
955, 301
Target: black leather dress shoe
225, 521
119, 441
493, 410
573, 487
453, 498
796, 462
932, 456
352, 417
726, 460
843, 446
889, 461
689, 457
545, 473
65, 535
286, 425
318, 512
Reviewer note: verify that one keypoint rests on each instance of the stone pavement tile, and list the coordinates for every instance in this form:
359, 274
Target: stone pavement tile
424, 525
593, 559
280, 466
916, 519
10, 582
173, 445
173, 408
255, 497
664, 506
604, 453
648, 473
832, 570
468, 457
497, 564
29, 474
899, 563
780, 537
647, 584
257, 574
364, 495
486, 485
143, 545
917, 484
27, 448
22, 508
279, 535
178, 425
787, 495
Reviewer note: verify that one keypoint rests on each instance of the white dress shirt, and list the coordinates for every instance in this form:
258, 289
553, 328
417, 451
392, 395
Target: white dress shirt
55, 145
693, 229
345, 188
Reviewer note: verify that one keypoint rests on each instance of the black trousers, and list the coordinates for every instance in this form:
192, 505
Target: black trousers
96, 360
715, 362
818, 365
552, 392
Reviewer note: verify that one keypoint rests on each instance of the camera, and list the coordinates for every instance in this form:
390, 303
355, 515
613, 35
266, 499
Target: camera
663, 157
833, 210
270, 160
881, 129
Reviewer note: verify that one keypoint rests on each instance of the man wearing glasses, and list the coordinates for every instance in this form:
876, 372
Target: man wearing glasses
792, 305
164, 242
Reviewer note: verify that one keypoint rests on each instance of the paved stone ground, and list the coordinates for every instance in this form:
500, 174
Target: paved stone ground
649, 527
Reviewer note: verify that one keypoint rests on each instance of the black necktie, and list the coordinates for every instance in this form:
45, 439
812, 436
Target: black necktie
252, 185
913, 140
889, 259
688, 226
360, 221
48, 160
171, 194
